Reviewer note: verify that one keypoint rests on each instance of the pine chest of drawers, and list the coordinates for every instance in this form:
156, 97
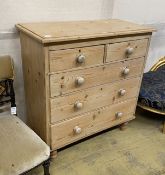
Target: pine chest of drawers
81, 77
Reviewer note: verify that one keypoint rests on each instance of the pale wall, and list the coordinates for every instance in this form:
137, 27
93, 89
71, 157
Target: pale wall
12, 12
150, 12
141, 11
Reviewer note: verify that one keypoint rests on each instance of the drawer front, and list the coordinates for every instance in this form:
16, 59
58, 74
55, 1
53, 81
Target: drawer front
89, 123
68, 106
126, 50
74, 58
63, 83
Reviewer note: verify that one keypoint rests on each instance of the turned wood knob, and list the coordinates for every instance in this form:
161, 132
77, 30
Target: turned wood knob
78, 105
126, 71
80, 81
119, 114
129, 50
81, 58
122, 92
77, 130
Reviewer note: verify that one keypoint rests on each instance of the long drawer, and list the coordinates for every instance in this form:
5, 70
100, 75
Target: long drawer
74, 129
75, 58
126, 50
73, 104
66, 82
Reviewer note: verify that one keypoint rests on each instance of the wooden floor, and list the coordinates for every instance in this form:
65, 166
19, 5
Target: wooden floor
139, 150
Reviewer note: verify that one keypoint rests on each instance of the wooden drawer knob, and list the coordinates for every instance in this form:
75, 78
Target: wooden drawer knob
129, 50
80, 59
122, 92
126, 71
119, 114
80, 81
77, 130
78, 105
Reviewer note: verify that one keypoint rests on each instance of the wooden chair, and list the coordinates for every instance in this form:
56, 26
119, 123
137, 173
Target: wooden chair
21, 149
6, 82
152, 92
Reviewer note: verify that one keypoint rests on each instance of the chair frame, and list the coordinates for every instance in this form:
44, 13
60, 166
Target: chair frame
160, 63
9, 91
9, 88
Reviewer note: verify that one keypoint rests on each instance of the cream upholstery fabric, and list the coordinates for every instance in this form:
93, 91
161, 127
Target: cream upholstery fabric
6, 67
20, 148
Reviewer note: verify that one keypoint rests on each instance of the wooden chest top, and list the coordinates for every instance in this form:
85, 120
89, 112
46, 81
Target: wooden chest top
47, 32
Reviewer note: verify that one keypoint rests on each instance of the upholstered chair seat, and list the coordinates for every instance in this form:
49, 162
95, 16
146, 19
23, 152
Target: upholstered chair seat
20, 148
152, 92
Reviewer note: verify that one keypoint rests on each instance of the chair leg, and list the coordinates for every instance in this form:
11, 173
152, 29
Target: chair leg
46, 166
12, 98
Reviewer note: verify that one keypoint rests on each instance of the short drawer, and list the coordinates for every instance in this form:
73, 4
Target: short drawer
90, 123
78, 57
66, 82
67, 106
126, 50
